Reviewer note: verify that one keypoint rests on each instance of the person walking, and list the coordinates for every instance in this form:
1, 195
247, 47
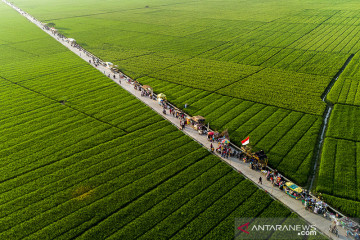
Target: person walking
223, 152
260, 180
228, 152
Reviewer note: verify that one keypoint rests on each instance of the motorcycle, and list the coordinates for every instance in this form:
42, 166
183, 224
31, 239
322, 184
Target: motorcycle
334, 230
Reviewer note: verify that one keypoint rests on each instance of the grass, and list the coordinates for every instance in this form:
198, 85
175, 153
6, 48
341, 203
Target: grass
339, 167
103, 165
242, 65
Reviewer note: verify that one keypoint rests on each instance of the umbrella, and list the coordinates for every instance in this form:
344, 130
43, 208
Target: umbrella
294, 187
147, 87
109, 64
211, 133
225, 141
161, 95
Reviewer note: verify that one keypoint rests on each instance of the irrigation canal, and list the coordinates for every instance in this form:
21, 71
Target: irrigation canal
326, 117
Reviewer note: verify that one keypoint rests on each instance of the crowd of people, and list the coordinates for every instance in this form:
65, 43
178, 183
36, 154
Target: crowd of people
223, 149
318, 207
166, 106
94, 60
310, 203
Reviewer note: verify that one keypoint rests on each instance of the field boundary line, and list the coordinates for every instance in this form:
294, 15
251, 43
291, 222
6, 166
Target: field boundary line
140, 195
264, 123
201, 212
255, 116
228, 123
335, 78
356, 175
42, 164
304, 64
356, 93
293, 146
245, 77
226, 216
355, 28
87, 150
345, 139
347, 92
294, 205
182, 61
268, 104
111, 179
328, 39
42, 75
109, 12
75, 109
99, 222
321, 23
184, 204
283, 135
86, 179
334, 41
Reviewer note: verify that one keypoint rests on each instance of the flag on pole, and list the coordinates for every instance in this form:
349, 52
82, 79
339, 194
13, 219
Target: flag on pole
245, 141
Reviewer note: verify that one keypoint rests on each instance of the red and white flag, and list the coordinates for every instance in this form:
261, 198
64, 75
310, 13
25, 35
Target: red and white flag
245, 141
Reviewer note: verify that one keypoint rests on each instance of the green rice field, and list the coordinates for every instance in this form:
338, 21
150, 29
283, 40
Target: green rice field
240, 71
82, 158
257, 68
103, 165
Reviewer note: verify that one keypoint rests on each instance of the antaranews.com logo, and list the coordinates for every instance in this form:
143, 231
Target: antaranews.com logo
274, 228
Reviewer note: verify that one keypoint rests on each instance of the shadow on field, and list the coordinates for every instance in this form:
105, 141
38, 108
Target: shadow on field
62, 28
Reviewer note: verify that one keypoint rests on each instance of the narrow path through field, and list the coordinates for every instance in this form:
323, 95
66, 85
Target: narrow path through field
321, 223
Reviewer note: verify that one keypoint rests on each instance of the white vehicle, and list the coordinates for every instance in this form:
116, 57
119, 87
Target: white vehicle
109, 65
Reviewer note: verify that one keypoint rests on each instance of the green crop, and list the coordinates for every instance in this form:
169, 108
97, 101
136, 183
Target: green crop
82, 158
